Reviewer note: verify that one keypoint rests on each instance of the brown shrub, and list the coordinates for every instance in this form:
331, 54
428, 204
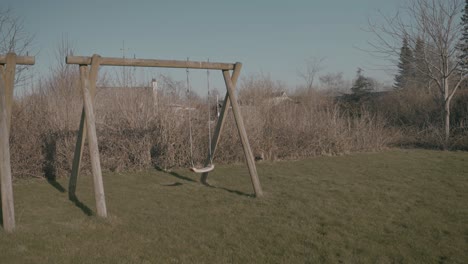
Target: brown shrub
134, 132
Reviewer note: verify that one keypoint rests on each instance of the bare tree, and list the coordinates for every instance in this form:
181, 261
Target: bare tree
333, 82
61, 87
172, 89
63, 76
437, 23
313, 66
14, 38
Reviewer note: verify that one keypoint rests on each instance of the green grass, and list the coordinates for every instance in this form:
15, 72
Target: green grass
392, 207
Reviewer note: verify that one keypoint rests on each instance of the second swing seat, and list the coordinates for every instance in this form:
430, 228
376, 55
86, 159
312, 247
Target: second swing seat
203, 170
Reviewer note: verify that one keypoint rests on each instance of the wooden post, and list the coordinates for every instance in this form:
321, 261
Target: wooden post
93, 144
8, 209
9, 79
221, 121
242, 134
80, 140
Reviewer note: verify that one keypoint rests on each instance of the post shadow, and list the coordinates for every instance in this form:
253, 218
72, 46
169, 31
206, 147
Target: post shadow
174, 184
251, 195
1, 212
86, 210
56, 185
49, 149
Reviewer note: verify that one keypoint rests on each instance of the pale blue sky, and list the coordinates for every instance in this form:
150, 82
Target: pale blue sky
268, 36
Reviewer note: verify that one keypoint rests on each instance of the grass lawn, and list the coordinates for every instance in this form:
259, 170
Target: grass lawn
400, 206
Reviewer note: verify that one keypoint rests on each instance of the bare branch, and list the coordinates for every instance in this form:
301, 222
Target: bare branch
14, 38
313, 66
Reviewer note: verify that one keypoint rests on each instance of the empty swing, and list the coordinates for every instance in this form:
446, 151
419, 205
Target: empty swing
210, 165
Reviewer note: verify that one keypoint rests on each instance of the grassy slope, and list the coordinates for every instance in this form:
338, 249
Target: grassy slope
396, 206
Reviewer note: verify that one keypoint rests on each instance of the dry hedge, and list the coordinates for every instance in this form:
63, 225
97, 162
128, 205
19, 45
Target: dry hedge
134, 132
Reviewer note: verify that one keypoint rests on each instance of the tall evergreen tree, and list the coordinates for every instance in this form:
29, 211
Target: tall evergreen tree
362, 84
405, 67
463, 46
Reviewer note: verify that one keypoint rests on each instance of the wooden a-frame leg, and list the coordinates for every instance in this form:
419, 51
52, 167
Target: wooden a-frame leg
9, 79
80, 141
93, 144
81, 137
243, 134
220, 123
6, 96
5, 167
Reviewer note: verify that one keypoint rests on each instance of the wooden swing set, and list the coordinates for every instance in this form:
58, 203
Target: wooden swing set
87, 127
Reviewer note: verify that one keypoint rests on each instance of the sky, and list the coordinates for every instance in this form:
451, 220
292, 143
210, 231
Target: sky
269, 37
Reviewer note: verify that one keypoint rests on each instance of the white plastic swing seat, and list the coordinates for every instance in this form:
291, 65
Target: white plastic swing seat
203, 170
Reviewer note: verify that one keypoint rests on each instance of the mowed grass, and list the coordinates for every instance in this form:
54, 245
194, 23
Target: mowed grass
403, 206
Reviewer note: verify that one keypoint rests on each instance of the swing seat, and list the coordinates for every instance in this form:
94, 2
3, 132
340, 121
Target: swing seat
203, 170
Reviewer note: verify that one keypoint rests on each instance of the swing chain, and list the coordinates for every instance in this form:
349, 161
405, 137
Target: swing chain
189, 116
209, 114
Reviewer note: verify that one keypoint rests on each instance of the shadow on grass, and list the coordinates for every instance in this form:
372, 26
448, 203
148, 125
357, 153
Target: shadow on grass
86, 210
171, 184
229, 190
1, 214
49, 167
56, 185
175, 174
204, 182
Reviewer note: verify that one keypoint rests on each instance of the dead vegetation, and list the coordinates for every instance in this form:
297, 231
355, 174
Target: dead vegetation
136, 132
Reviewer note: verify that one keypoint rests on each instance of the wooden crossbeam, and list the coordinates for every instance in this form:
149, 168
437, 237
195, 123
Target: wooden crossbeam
80, 60
20, 60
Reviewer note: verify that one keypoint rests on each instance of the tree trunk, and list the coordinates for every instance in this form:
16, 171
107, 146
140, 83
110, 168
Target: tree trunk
445, 83
447, 123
